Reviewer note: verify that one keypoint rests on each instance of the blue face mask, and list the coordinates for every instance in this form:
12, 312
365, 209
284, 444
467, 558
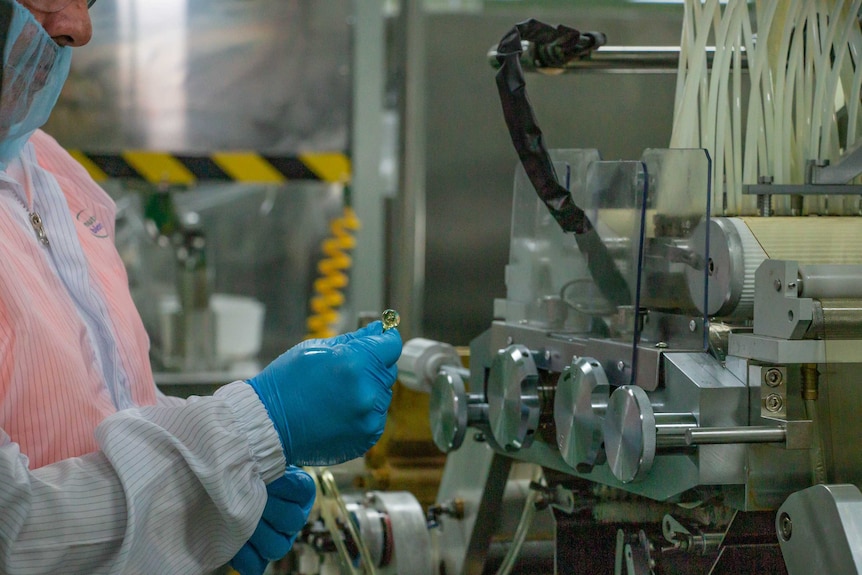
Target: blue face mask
34, 71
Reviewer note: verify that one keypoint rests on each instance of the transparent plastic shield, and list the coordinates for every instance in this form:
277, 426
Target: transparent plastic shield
549, 283
673, 281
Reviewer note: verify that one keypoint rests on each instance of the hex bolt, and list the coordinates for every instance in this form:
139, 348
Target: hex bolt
774, 377
774, 403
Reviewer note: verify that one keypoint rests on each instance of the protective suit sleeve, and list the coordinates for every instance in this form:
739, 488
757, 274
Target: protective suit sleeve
173, 490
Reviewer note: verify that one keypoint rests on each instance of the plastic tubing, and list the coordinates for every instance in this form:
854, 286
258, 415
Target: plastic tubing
684, 54
812, 49
853, 101
805, 95
802, 119
823, 69
717, 112
829, 120
733, 107
718, 78
736, 104
755, 135
783, 85
794, 87
695, 80
710, 76
683, 122
523, 528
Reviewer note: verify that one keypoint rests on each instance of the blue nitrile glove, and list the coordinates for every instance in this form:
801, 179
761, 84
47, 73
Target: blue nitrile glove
286, 512
328, 397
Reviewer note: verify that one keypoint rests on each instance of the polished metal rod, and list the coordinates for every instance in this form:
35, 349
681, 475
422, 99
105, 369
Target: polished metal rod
724, 435
617, 59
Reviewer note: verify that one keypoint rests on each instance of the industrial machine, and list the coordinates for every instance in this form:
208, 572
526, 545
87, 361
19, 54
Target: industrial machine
670, 377
699, 419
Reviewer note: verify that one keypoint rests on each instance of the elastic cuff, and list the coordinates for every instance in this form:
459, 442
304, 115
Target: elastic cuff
253, 418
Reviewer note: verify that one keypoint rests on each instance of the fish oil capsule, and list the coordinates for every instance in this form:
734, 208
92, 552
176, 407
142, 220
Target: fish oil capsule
391, 318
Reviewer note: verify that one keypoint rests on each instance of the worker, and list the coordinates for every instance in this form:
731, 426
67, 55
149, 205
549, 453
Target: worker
100, 472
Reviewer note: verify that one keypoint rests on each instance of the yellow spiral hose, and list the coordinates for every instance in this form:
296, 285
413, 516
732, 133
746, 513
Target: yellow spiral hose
333, 279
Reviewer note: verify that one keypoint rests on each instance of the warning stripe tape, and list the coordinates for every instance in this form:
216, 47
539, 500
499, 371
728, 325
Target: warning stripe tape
166, 168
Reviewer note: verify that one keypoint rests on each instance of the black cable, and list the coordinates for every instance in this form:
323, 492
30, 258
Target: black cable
552, 47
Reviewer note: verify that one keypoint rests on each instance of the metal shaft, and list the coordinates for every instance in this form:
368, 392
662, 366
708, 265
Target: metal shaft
671, 428
725, 435
620, 59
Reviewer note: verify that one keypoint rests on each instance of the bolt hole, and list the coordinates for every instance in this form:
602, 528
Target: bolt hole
711, 266
790, 315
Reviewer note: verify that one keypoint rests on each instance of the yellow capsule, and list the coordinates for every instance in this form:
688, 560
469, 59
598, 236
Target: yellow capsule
391, 318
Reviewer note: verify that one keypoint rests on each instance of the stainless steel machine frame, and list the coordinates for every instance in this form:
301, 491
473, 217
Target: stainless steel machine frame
680, 439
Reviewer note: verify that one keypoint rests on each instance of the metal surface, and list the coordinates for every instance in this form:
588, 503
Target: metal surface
820, 530
773, 391
630, 433
210, 75
734, 255
614, 356
407, 55
579, 405
369, 150
778, 312
779, 351
723, 435
618, 59
450, 409
842, 171
824, 281
802, 189
513, 401
477, 476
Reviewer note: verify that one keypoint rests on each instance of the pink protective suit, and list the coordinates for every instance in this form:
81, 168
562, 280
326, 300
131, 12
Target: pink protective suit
53, 388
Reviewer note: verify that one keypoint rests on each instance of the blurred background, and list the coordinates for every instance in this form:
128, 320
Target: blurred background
215, 111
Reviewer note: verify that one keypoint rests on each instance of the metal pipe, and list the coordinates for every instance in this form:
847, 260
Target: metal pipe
823, 281
727, 435
671, 428
616, 59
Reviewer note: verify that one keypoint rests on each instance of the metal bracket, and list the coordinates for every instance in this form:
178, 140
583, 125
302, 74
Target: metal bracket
778, 310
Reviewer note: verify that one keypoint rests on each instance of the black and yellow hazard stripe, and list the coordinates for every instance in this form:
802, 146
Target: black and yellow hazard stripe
250, 167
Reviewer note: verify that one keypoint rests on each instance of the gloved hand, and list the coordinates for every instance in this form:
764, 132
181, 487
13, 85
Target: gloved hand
328, 397
286, 512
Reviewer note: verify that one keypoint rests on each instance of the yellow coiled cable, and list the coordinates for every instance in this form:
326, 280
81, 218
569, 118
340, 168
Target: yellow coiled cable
328, 288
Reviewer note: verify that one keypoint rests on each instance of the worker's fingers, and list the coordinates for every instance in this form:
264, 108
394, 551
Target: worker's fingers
248, 561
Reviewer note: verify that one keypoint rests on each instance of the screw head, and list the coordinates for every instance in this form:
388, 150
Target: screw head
773, 377
777, 285
774, 403
785, 526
